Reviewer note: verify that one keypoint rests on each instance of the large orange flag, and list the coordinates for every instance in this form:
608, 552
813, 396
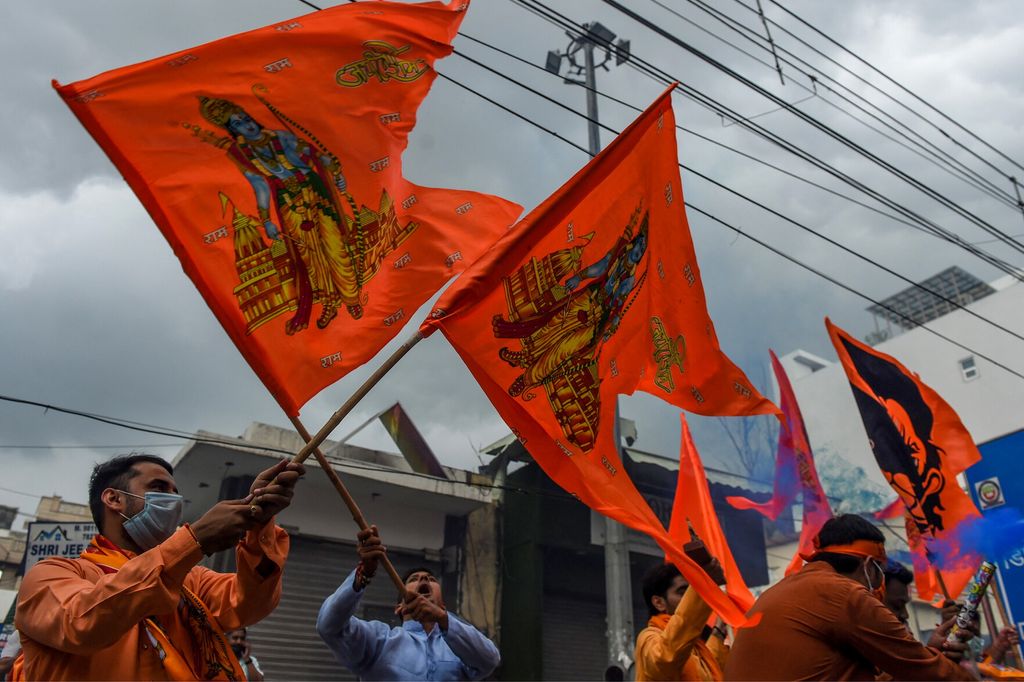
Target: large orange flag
597, 293
920, 444
693, 505
271, 162
795, 473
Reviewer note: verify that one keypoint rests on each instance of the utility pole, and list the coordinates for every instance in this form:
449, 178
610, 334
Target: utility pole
618, 584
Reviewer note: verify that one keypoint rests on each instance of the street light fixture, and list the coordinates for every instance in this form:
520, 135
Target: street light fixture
597, 37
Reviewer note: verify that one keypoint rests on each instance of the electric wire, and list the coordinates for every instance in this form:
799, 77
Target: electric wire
759, 204
251, 447
922, 146
905, 89
722, 145
740, 232
924, 188
664, 78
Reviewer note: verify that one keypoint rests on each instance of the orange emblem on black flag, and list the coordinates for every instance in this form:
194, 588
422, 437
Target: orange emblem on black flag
597, 293
271, 162
919, 442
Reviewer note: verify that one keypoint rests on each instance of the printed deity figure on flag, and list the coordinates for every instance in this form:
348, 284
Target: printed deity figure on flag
271, 161
594, 294
301, 195
562, 326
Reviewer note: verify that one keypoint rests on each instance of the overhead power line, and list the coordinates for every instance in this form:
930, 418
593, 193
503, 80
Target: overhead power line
915, 142
762, 206
663, 77
904, 89
771, 248
815, 123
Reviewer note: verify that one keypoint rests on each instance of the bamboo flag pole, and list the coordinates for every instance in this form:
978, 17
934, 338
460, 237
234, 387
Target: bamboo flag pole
1004, 616
942, 583
360, 393
312, 446
346, 496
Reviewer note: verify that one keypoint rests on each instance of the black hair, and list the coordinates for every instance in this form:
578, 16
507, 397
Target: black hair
115, 473
894, 570
417, 569
656, 582
844, 530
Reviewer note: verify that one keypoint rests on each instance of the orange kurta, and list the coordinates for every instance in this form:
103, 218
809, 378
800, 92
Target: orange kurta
819, 625
78, 622
675, 651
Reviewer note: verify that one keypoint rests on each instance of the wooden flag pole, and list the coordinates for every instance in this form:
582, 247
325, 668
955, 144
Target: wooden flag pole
1006, 621
346, 496
312, 446
942, 583
360, 393
990, 619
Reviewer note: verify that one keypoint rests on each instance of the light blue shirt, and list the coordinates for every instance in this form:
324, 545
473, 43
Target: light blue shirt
376, 651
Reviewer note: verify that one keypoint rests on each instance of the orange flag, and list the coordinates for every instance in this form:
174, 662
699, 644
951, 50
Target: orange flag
597, 293
920, 444
794, 473
271, 162
693, 504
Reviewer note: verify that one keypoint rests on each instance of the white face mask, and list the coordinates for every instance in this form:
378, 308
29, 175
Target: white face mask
158, 519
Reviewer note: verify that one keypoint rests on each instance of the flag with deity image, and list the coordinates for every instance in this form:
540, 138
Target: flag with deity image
597, 293
271, 162
921, 446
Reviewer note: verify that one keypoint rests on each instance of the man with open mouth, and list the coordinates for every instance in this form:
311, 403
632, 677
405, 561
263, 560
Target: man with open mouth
431, 643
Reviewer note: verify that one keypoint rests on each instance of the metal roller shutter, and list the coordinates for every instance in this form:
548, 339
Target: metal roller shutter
575, 644
286, 642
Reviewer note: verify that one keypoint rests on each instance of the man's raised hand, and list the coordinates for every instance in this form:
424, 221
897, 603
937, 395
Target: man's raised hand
272, 490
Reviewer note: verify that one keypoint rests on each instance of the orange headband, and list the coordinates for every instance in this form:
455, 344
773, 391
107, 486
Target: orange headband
861, 548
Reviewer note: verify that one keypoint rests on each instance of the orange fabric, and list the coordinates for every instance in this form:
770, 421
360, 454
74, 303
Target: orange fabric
861, 548
212, 656
17, 671
597, 293
693, 502
358, 248
920, 445
819, 625
82, 621
794, 473
670, 647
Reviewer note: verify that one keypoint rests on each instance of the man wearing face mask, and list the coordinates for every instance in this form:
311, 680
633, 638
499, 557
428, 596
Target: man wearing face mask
829, 621
135, 605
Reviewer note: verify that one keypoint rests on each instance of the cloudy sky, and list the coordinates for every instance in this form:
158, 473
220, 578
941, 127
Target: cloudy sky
97, 315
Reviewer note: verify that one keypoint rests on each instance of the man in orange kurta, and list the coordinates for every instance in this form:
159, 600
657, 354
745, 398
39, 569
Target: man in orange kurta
672, 646
829, 621
135, 605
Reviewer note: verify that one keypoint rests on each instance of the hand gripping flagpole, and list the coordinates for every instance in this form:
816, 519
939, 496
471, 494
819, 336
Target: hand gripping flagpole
313, 443
346, 496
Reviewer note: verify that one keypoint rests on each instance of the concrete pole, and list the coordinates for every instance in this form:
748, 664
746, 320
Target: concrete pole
617, 580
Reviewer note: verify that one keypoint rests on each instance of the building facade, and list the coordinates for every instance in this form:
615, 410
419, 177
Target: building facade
445, 524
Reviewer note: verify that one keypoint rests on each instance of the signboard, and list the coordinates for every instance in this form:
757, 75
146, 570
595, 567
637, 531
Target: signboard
989, 493
48, 539
997, 481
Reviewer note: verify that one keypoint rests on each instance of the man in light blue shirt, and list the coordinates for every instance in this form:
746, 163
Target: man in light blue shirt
431, 644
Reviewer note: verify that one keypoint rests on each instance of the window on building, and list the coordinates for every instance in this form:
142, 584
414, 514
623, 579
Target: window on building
969, 368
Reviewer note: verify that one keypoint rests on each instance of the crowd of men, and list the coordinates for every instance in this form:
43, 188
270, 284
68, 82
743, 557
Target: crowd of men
136, 605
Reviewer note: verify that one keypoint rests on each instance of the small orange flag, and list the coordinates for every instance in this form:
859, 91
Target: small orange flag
693, 504
920, 445
597, 293
271, 162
